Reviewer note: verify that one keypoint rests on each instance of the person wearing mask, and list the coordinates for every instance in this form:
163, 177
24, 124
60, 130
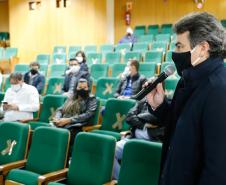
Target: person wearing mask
129, 37
34, 77
78, 110
194, 145
20, 100
81, 58
132, 83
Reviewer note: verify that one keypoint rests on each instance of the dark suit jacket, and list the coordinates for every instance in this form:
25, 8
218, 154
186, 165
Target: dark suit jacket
38, 81
194, 148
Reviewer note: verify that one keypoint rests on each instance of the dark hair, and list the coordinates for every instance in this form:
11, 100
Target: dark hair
135, 63
83, 55
73, 59
203, 27
35, 64
82, 80
16, 76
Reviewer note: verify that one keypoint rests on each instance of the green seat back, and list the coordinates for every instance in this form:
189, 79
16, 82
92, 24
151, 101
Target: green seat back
59, 58
148, 69
57, 70
1, 53
43, 69
117, 70
106, 87
139, 30
159, 46
169, 56
48, 151
153, 56
132, 55
140, 163
98, 70
145, 38
50, 104
4, 35
90, 49
106, 48
123, 47
73, 50
140, 46
173, 37
2, 94
170, 86
10, 52
55, 85
172, 46
94, 58
164, 64
92, 159
166, 29
21, 68
6, 83
59, 49
115, 114
162, 37
113, 57
153, 29
43, 59
11, 132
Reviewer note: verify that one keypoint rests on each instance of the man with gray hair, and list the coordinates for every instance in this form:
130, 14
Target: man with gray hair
194, 147
20, 101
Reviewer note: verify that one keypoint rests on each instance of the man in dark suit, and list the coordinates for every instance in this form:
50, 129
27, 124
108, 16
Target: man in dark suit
34, 77
194, 147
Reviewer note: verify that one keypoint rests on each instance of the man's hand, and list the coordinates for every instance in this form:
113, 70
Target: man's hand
149, 125
8, 107
62, 121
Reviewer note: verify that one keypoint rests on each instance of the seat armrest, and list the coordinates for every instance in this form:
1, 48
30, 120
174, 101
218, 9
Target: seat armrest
28, 120
90, 128
53, 176
113, 182
7, 167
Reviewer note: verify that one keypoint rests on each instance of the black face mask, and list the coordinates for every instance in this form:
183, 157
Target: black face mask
83, 93
182, 61
33, 71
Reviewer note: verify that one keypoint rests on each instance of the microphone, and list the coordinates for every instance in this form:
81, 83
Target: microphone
169, 70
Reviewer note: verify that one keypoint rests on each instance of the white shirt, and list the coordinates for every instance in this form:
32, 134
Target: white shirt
27, 100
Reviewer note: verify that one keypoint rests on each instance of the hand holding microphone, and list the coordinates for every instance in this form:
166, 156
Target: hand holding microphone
154, 90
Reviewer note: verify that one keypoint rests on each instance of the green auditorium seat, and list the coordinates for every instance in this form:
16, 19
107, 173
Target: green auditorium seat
166, 28
2, 94
153, 56
153, 29
117, 70
59, 58
169, 56
94, 58
223, 22
55, 85
21, 68
162, 37
47, 154
106, 88
14, 139
43, 59
59, 49
170, 86
113, 58
159, 46
132, 55
123, 47
140, 47
43, 69
172, 46
90, 49
73, 50
145, 38
114, 117
10, 52
144, 169
139, 30
6, 84
106, 48
57, 70
4, 36
164, 64
92, 160
1, 53
148, 69
173, 37
98, 70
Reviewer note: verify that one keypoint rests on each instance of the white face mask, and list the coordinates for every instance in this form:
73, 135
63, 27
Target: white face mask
16, 87
80, 59
75, 69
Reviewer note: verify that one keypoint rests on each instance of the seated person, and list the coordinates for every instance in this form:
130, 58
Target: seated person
143, 126
129, 37
81, 58
34, 77
132, 83
20, 101
78, 110
72, 74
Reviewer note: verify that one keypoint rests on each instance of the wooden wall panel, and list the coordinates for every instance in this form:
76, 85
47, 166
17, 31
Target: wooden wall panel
147, 12
4, 16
